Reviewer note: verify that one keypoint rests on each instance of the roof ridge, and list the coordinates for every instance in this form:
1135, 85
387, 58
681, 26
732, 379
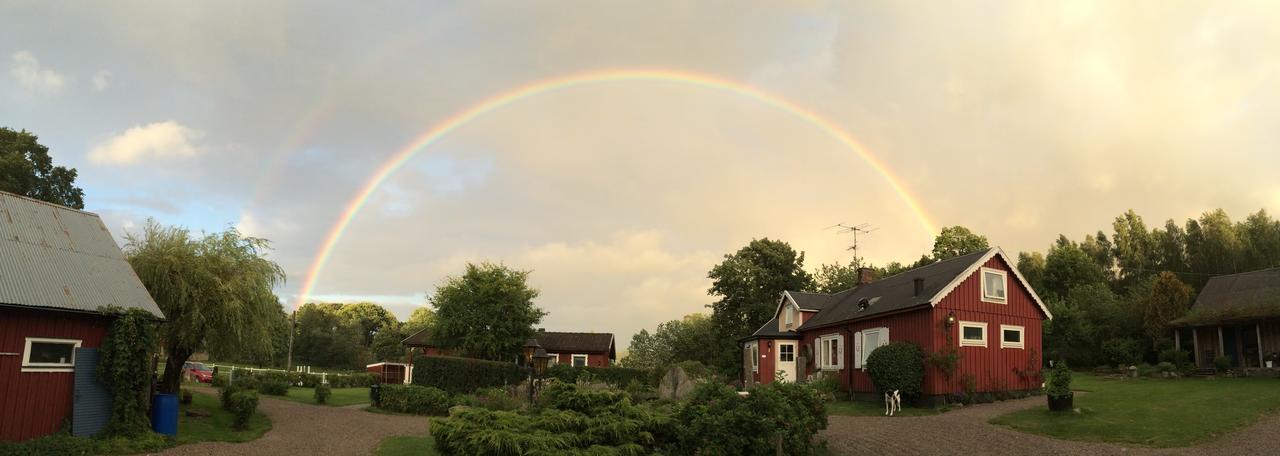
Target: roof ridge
46, 203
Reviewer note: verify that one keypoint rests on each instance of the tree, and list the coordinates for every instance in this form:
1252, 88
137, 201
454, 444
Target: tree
1100, 249
26, 169
488, 312
835, 277
1260, 239
1031, 265
325, 337
1213, 245
386, 343
420, 319
1171, 247
957, 240
691, 338
1067, 267
369, 317
749, 283
1134, 246
1168, 300
215, 291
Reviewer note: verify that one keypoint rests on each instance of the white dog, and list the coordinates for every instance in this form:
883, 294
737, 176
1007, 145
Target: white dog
892, 402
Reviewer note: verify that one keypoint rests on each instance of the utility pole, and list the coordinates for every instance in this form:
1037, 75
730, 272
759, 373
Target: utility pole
862, 228
288, 364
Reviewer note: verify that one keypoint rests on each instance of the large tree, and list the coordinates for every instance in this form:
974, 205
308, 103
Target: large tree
369, 317
1168, 300
835, 277
691, 338
748, 284
420, 319
26, 169
957, 240
487, 312
215, 291
1067, 267
325, 337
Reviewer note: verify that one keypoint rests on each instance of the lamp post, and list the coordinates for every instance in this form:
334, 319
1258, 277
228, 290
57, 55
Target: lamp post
530, 346
538, 368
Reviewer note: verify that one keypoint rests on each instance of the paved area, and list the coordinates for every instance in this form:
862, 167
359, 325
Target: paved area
312, 429
966, 431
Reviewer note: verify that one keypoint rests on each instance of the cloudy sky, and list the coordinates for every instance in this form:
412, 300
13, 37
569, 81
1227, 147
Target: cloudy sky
1020, 120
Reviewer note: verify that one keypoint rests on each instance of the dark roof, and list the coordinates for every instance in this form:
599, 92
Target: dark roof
422, 338
770, 330
1244, 296
810, 301
576, 342
893, 293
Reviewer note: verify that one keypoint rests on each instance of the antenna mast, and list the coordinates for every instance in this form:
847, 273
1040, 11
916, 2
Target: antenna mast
861, 228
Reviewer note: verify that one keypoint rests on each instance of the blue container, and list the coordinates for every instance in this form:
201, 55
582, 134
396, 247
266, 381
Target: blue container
164, 413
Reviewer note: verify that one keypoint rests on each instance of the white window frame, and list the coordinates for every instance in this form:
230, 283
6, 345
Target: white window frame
789, 317
28, 366
753, 350
573, 360
794, 349
555, 358
826, 343
973, 343
882, 339
987, 297
1022, 336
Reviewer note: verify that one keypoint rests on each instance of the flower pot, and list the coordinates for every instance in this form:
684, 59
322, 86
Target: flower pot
1269, 364
1061, 404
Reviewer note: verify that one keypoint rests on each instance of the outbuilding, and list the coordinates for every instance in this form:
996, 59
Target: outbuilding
59, 267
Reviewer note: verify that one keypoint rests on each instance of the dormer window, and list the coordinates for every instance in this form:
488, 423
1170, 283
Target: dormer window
995, 286
789, 316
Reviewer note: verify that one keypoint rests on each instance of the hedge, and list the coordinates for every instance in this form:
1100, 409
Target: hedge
418, 400
464, 375
618, 377
303, 379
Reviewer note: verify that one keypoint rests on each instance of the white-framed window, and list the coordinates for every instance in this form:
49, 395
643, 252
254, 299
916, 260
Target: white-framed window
753, 352
789, 316
786, 353
579, 360
867, 341
1011, 336
973, 334
830, 352
49, 355
995, 286
555, 358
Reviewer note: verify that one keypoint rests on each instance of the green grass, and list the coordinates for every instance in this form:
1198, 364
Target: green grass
869, 408
407, 445
339, 396
1158, 413
216, 428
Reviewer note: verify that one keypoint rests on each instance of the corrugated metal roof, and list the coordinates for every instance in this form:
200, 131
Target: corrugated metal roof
57, 257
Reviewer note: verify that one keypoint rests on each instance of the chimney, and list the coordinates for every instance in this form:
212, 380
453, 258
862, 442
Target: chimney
866, 275
919, 286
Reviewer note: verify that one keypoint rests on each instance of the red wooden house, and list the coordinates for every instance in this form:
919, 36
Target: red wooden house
576, 348
58, 268
976, 304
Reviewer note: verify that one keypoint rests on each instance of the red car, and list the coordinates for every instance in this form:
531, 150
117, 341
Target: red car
198, 371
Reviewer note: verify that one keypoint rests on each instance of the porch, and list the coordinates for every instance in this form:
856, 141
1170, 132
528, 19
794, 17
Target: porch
1246, 344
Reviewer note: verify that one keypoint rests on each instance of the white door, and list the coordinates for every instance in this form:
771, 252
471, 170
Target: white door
787, 360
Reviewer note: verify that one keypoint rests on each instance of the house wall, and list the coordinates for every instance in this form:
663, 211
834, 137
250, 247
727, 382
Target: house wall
911, 326
768, 361
1270, 332
33, 404
1207, 342
593, 359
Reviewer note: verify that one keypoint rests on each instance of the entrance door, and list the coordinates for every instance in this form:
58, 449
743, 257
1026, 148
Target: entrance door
91, 404
787, 360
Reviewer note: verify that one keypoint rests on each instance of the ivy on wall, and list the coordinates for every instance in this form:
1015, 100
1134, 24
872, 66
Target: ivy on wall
124, 368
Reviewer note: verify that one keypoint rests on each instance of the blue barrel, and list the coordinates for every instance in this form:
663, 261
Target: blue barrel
164, 413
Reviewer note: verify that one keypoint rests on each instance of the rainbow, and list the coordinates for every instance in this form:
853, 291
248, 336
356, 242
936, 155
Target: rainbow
541, 87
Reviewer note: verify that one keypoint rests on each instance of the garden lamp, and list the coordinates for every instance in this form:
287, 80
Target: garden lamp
540, 358
951, 319
529, 347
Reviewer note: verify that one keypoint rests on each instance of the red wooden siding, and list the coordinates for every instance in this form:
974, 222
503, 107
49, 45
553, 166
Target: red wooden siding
33, 404
768, 361
913, 326
593, 359
993, 368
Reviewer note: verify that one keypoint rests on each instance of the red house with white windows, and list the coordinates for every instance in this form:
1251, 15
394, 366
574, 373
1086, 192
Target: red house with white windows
977, 304
575, 348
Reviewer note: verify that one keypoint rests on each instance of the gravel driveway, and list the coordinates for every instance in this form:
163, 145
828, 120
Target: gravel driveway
312, 429
966, 431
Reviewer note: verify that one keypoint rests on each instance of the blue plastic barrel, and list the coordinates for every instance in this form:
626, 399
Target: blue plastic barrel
164, 413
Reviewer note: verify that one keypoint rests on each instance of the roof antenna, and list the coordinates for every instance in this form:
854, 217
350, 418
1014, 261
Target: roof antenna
861, 228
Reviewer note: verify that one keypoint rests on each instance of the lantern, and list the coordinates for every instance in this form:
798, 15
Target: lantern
529, 347
951, 319
540, 358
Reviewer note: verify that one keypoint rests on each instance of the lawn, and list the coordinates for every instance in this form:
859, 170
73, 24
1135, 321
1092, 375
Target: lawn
1153, 412
870, 408
217, 427
406, 445
339, 397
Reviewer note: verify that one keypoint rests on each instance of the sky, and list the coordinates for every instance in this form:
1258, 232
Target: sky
1019, 120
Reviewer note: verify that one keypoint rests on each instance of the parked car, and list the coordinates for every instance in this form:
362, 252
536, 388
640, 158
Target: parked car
198, 371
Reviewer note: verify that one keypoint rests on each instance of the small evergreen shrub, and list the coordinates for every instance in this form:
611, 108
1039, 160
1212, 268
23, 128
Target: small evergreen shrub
243, 405
418, 400
1166, 366
1222, 363
1060, 383
274, 387
464, 375
224, 395
322, 393
897, 366
716, 420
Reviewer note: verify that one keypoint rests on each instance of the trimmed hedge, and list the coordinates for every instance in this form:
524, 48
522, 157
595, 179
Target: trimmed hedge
305, 380
464, 375
418, 400
897, 366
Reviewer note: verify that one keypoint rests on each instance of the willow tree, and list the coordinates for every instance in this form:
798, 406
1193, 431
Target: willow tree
214, 289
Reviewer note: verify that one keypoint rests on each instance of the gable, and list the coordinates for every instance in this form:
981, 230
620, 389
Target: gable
969, 288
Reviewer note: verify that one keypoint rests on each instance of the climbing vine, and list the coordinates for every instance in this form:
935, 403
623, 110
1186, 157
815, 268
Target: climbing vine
124, 368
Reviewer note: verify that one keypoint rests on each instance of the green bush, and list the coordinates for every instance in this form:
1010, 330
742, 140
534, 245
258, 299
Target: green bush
464, 375
1166, 366
1222, 363
492, 399
1180, 358
243, 404
224, 395
418, 400
1060, 381
274, 387
58, 444
1122, 352
322, 393
125, 371
897, 366
716, 420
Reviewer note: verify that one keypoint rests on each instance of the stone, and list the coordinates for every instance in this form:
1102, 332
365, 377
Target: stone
676, 384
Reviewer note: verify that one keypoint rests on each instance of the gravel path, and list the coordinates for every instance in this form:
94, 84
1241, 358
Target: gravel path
312, 429
966, 431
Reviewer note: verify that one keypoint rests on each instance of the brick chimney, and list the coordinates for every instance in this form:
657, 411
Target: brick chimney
866, 275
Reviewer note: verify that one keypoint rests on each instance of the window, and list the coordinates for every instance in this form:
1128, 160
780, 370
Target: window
555, 358
993, 285
866, 342
973, 334
753, 352
789, 316
830, 352
786, 353
579, 360
49, 355
1011, 336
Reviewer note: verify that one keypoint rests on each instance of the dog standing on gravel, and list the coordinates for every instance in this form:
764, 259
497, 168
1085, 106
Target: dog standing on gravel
892, 402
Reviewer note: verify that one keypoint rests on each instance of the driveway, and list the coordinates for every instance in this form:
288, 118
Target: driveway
966, 431
298, 428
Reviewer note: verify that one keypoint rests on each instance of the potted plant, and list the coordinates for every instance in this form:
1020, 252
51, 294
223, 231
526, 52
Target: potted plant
1271, 359
1059, 389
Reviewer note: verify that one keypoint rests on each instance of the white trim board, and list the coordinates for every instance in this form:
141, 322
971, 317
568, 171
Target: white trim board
993, 252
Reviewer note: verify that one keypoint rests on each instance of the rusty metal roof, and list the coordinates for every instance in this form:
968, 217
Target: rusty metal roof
61, 258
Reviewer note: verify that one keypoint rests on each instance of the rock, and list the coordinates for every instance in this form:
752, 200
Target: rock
676, 384
195, 412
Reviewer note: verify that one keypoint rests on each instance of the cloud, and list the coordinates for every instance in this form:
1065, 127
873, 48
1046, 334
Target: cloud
159, 140
32, 77
101, 80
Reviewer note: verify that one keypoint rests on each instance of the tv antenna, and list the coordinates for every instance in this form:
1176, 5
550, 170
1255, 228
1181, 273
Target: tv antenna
855, 230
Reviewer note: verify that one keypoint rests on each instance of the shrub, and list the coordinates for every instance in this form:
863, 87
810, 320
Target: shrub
1060, 382
274, 387
322, 393
1122, 352
419, 400
224, 395
464, 375
1180, 359
363, 380
897, 366
1222, 363
243, 405
1145, 370
563, 372
494, 399
125, 371
716, 420
185, 396
1166, 366
58, 444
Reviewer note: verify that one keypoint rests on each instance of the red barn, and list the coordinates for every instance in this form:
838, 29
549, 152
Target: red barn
976, 304
58, 267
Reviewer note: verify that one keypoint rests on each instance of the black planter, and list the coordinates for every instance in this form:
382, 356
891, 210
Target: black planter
1061, 404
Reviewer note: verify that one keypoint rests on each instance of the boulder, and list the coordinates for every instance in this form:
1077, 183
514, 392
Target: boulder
676, 384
